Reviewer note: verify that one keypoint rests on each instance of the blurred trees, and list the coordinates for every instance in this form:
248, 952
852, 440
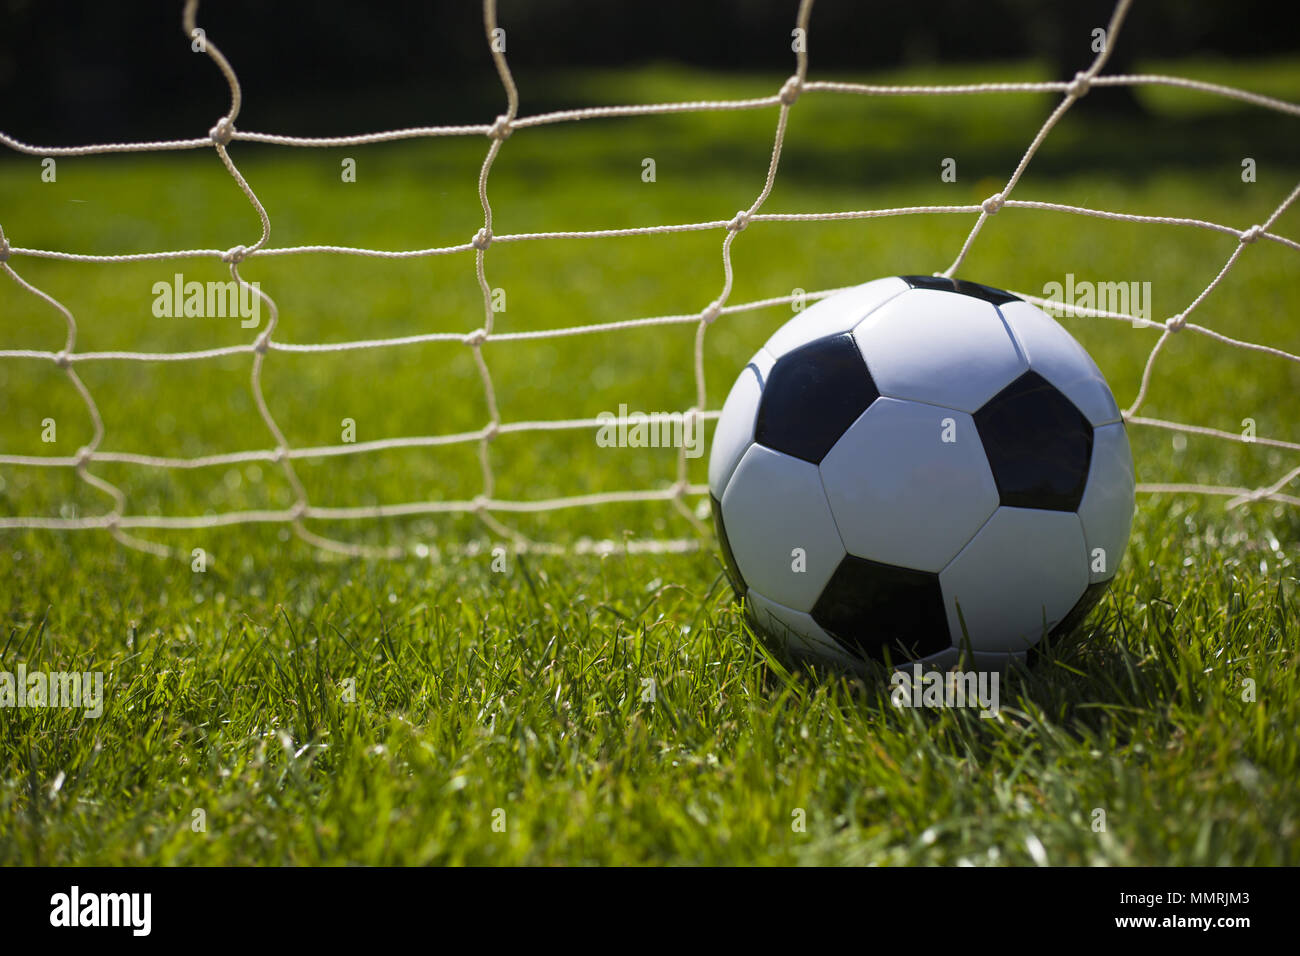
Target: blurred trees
124, 69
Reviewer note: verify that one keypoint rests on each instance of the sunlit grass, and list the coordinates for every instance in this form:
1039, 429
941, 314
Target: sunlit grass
530, 691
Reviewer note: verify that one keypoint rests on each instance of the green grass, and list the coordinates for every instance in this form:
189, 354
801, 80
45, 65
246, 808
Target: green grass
477, 691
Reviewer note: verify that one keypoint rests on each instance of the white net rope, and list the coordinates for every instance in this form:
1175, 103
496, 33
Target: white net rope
485, 505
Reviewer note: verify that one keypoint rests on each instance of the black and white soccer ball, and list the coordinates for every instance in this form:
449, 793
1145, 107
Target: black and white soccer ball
920, 468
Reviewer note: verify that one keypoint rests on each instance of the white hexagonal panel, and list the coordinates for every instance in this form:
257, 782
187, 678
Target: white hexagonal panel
1106, 511
1016, 579
795, 631
734, 431
943, 348
909, 484
772, 505
1056, 355
833, 315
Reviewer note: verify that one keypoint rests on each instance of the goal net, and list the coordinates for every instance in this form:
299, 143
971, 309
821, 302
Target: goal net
682, 492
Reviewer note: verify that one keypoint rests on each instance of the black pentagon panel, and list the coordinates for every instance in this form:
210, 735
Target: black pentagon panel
1038, 445
963, 287
870, 608
812, 396
728, 559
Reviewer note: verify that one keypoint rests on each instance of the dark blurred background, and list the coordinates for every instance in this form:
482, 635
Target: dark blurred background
74, 72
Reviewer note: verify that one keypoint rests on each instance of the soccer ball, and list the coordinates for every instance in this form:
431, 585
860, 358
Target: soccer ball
920, 469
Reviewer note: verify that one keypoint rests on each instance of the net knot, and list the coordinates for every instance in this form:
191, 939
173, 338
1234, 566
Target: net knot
475, 338
1176, 323
680, 488
501, 129
739, 221
790, 90
482, 239
1251, 234
61, 359
234, 255
298, 510
1080, 85
223, 132
711, 313
262, 343
277, 456
491, 430
4, 250
992, 204
479, 504
83, 455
